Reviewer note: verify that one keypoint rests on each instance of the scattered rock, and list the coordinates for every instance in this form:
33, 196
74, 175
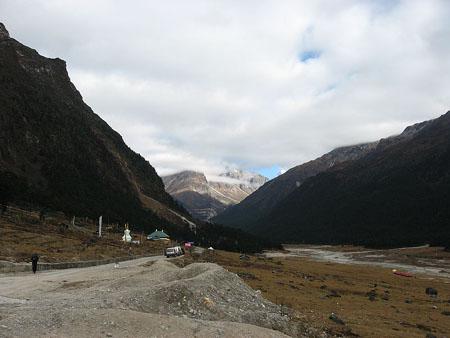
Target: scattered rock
372, 294
333, 293
432, 292
424, 327
336, 319
244, 257
247, 275
349, 333
208, 302
406, 324
385, 295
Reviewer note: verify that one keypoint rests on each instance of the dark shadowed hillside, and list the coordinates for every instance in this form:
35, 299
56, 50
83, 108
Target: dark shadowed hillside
247, 213
398, 194
56, 152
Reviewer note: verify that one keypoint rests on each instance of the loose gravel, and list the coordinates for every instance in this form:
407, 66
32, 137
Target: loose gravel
137, 300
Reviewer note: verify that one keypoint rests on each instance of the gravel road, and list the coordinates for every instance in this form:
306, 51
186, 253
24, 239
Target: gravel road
147, 297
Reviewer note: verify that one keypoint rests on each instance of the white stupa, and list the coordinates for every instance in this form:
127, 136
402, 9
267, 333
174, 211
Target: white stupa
126, 235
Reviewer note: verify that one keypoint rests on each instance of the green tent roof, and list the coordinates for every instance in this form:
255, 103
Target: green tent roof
158, 234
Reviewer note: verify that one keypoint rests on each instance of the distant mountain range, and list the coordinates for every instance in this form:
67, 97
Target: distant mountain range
387, 193
205, 198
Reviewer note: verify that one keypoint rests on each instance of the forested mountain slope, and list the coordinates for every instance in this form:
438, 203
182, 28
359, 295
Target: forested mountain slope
398, 194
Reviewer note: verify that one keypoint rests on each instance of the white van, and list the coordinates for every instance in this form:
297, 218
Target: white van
175, 251
171, 252
179, 250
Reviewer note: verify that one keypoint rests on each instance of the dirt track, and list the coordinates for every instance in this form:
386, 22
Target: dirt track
138, 299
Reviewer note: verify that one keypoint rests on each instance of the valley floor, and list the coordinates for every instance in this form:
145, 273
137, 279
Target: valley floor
371, 300
308, 284
422, 259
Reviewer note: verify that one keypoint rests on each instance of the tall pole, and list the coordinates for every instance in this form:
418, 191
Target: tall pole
100, 219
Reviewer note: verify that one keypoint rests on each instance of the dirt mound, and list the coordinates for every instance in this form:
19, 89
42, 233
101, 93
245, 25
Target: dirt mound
161, 299
205, 291
129, 324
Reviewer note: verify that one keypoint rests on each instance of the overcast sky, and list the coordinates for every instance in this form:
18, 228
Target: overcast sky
259, 85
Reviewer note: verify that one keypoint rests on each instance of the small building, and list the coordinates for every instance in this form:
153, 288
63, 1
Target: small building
158, 235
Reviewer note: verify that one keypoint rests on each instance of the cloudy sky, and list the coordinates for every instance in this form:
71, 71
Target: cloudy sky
260, 85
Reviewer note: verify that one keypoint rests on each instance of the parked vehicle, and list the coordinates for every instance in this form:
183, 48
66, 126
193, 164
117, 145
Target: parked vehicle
171, 252
174, 251
179, 250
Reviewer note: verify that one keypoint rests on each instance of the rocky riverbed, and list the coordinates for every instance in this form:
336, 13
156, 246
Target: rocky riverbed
424, 260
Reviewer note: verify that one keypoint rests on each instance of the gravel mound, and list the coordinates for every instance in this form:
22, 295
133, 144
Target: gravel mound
160, 300
206, 291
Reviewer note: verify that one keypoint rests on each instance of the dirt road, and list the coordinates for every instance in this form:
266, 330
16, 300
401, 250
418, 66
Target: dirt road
28, 283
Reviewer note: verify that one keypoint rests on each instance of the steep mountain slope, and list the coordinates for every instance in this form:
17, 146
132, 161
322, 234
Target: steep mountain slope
260, 203
248, 213
206, 198
398, 194
55, 152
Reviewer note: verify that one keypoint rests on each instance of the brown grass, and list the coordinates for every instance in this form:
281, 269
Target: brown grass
55, 240
314, 290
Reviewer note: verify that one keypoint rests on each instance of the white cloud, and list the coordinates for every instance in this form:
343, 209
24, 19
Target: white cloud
206, 84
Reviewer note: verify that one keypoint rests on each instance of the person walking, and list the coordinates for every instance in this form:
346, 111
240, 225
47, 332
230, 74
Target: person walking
34, 261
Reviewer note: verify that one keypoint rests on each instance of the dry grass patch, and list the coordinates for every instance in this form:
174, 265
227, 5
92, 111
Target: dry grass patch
371, 301
55, 241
